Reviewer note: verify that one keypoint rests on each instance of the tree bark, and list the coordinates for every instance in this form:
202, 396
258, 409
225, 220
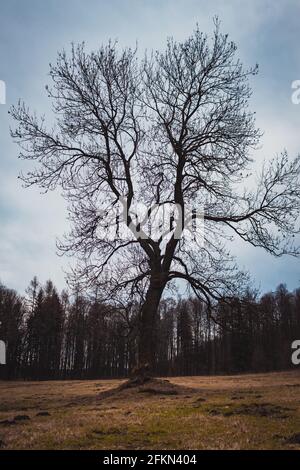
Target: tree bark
147, 331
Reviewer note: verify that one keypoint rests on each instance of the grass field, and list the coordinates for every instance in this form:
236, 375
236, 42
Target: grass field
259, 411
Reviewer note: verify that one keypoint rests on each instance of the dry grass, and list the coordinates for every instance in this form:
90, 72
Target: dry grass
259, 411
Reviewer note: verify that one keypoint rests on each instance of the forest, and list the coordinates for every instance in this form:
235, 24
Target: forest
61, 336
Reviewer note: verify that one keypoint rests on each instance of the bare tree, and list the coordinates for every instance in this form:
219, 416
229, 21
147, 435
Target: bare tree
170, 129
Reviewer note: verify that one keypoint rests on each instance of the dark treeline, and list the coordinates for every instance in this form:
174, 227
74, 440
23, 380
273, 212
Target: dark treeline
52, 336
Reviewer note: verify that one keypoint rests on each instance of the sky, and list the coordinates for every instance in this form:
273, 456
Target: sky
33, 31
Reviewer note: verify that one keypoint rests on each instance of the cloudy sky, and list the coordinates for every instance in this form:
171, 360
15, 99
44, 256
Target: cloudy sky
31, 33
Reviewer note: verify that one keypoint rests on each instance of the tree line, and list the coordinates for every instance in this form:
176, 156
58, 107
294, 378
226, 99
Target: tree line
61, 336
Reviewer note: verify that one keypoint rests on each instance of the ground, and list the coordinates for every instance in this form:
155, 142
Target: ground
257, 411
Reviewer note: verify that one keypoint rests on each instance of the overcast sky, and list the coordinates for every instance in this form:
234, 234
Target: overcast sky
31, 33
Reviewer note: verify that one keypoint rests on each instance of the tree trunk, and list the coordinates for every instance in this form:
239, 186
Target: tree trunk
147, 331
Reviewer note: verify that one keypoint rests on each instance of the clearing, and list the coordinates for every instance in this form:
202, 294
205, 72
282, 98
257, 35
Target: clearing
255, 411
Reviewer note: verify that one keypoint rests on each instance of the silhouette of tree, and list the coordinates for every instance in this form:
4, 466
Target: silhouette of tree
171, 129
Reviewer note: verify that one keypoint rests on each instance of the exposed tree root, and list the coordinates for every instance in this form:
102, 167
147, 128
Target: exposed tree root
147, 386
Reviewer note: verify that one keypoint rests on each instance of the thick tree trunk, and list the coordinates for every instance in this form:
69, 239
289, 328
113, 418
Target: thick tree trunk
147, 331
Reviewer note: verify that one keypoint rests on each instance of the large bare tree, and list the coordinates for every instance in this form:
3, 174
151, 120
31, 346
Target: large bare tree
171, 129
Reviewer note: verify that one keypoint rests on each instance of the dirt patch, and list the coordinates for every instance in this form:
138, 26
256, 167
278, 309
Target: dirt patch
253, 409
263, 409
110, 432
293, 439
21, 418
151, 386
200, 400
7, 422
158, 391
16, 420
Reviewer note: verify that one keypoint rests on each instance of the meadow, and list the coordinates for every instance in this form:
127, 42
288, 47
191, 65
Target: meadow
255, 411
